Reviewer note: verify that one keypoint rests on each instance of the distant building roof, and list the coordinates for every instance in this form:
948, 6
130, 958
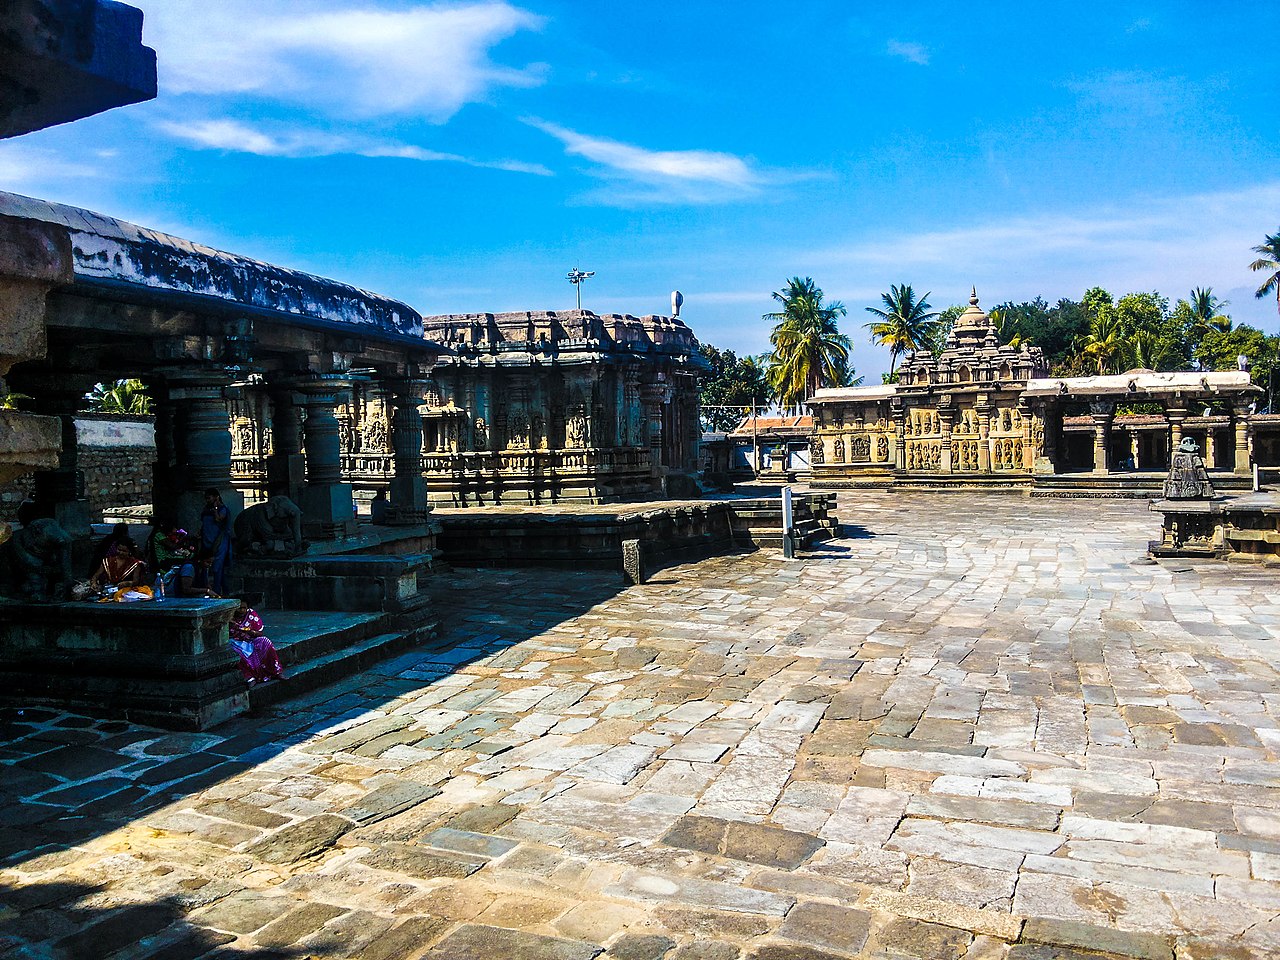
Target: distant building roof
775, 424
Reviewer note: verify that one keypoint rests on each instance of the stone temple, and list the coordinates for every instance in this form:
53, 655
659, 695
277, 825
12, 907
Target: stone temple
982, 413
536, 407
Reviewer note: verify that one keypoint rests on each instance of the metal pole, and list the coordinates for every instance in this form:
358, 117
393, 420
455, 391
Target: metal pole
755, 440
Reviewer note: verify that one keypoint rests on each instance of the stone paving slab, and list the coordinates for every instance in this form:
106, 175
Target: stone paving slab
980, 730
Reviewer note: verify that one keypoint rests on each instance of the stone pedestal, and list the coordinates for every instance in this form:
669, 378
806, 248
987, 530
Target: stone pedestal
1240, 415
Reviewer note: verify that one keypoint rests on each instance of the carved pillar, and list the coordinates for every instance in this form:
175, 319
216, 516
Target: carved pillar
946, 417
201, 440
327, 507
59, 493
1135, 449
1046, 461
652, 398
286, 466
1028, 444
899, 436
983, 408
1243, 437
1175, 416
1210, 449
408, 487
1103, 412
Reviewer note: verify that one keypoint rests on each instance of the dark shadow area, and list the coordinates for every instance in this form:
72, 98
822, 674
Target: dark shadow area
49, 920
66, 778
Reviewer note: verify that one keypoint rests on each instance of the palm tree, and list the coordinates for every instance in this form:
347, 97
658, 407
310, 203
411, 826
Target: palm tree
122, 396
1206, 312
1269, 260
1006, 328
1103, 345
809, 351
905, 323
1145, 350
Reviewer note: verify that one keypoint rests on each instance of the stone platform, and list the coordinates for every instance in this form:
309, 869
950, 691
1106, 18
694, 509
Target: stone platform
1245, 527
612, 537
168, 663
984, 729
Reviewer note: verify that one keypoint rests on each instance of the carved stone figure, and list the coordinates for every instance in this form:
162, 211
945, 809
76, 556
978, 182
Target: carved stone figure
860, 448
882, 448
272, 529
482, 434
816, 454
1187, 479
839, 450
39, 562
375, 435
518, 431
576, 430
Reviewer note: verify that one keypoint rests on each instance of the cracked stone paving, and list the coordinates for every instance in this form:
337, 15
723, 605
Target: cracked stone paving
975, 726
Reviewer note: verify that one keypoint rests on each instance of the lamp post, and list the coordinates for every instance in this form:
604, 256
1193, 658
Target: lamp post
577, 278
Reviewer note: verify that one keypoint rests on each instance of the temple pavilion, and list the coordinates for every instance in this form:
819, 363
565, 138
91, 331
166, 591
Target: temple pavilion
984, 413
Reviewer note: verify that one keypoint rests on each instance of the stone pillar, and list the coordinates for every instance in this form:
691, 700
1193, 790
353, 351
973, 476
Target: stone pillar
327, 507
652, 398
1243, 436
286, 466
983, 408
945, 417
408, 487
201, 440
1103, 412
1051, 422
1135, 449
899, 414
1175, 416
59, 493
1210, 449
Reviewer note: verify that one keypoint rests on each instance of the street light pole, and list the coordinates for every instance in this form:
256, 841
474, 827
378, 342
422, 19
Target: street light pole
577, 278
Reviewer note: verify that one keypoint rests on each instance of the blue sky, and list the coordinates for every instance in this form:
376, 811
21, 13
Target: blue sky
464, 156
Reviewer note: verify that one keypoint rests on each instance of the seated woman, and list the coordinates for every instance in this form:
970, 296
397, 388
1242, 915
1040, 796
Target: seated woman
258, 659
193, 576
121, 568
167, 546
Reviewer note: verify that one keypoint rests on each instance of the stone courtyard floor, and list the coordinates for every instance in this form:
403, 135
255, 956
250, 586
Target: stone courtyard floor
974, 727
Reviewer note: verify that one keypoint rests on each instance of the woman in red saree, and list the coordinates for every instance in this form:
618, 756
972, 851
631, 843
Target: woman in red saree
258, 659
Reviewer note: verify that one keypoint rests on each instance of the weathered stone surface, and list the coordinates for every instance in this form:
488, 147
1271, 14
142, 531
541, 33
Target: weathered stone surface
827, 926
388, 799
405, 940
475, 942
417, 862
297, 924
769, 846
244, 912
1068, 933
634, 946
914, 938
302, 839
659, 888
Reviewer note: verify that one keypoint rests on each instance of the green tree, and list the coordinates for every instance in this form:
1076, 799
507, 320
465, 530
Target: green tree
1268, 261
940, 329
1206, 312
732, 381
905, 323
121, 396
809, 351
1103, 346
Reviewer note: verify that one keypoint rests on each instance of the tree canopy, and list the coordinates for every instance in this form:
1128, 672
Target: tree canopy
809, 351
732, 381
904, 324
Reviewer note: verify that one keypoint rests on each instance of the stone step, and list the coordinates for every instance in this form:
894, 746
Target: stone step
304, 675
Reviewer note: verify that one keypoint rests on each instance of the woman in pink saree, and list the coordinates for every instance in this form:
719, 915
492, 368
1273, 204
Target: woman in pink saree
258, 659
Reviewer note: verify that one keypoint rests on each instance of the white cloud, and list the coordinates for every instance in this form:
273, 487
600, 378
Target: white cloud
426, 60
24, 167
664, 176
1170, 244
911, 52
242, 138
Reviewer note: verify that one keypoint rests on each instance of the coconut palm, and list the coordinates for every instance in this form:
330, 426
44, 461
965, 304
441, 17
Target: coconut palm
122, 396
809, 351
1206, 312
1269, 261
1145, 350
905, 323
1103, 345
1006, 328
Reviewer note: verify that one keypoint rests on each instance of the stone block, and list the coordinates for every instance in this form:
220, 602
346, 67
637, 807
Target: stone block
300, 840
476, 942
827, 926
755, 843
1086, 936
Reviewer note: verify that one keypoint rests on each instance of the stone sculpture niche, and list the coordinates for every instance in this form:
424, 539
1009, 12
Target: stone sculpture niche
1188, 479
38, 561
270, 530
